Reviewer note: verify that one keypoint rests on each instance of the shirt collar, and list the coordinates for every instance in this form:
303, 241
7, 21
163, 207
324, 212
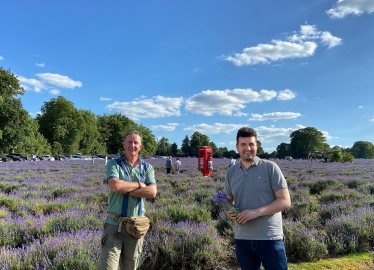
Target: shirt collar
254, 163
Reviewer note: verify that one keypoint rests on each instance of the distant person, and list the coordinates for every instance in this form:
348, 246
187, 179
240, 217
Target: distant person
169, 165
106, 160
259, 191
210, 166
232, 162
177, 166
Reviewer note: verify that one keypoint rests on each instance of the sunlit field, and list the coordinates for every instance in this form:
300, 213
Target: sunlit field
52, 213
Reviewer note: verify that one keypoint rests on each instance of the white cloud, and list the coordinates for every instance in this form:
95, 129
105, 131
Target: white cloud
216, 128
274, 116
286, 94
371, 120
327, 135
225, 102
361, 107
330, 40
273, 134
343, 8
40, 65
1, 58
265, 53
31, 83
58, 80
158, 106
308, 32
167, 127
46, 80
54, 92
34, 114
300, 44
240, 114
103, 98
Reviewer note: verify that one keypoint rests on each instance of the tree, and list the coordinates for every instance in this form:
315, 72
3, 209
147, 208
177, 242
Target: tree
174, 149
18, 131
90, 142
186, 148
363, 149
164, 147
260, 150
148, 141
283, 150
113, 129
217, 153
60, 122
306, 140
197, 140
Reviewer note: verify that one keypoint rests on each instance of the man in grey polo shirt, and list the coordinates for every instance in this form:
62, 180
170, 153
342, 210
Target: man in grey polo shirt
259, 190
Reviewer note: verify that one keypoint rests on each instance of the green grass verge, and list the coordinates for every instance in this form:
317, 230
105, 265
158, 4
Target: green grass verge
361, 261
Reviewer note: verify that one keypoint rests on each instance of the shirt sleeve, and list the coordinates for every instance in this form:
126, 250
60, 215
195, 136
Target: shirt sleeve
278, 181
150, 176
112, 170
227, 187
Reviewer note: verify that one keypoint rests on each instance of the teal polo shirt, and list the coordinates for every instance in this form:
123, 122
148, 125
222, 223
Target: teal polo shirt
125, 205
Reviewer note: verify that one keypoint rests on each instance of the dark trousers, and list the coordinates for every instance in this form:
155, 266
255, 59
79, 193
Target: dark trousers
251, 253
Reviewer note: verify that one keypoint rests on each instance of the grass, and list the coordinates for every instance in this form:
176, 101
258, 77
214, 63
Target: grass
361, 261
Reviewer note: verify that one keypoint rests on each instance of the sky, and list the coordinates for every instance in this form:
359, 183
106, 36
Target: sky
210, 66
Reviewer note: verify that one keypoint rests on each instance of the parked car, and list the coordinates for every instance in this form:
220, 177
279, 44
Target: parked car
76, 157
49, 158
15, 158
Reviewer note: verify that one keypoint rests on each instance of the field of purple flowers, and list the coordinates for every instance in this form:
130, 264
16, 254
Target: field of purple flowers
52, 213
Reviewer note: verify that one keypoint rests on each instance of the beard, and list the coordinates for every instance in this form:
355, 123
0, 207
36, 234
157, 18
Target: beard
248, 157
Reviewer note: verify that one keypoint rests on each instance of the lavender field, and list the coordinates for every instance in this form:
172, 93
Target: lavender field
52, 213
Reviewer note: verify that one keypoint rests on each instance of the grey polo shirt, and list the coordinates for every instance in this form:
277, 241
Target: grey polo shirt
253, 188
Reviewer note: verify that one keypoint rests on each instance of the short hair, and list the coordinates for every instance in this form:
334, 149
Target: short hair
133, 132
246, 132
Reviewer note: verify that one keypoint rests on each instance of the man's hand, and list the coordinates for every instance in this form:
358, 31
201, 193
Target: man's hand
231, 215
246, 215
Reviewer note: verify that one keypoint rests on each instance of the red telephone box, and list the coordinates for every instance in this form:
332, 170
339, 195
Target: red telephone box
203, 155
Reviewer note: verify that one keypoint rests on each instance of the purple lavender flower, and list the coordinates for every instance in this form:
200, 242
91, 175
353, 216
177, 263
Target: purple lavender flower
222, 199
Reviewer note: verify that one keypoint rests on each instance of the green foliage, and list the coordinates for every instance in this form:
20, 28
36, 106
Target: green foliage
60, 122
363, 149
339, 156
194, 213
113, 129
90, 142
321, 185
197, 140
302, 243
186, 250
283, 150
186, 149
306, 140
347, 157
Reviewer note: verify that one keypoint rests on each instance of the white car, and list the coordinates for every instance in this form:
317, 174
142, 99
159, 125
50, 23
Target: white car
49, 158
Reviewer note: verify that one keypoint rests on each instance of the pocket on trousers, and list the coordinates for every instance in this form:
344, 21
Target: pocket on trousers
104, 237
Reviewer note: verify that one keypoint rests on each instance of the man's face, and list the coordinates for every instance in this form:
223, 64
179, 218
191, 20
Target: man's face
132, 144
247, 148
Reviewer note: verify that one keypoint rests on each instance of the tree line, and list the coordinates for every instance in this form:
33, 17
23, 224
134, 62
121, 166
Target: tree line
62, 129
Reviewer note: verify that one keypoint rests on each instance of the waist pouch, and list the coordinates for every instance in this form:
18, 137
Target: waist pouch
135, 226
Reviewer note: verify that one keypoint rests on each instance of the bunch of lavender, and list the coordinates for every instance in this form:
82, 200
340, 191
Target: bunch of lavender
222, 199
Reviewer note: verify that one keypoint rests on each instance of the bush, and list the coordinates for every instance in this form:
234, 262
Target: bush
303, 243
183, 245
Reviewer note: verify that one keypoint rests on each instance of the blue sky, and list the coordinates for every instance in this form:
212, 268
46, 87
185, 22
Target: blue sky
209, 66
